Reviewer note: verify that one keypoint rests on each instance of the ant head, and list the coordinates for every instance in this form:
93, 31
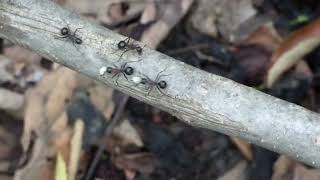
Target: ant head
78, 41
162, 84
139, 49
122, 44
128, 70
143, 81
109, 70
64, 31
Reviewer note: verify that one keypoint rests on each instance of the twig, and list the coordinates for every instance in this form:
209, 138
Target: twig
200, 99
115, 121
188, 48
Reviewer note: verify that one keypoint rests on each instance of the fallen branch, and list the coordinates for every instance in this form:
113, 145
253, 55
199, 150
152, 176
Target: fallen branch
194, 96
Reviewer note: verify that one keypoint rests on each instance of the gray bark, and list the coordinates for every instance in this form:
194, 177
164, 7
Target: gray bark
198, 98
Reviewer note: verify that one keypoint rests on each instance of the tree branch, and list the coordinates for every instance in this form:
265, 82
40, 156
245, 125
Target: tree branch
194, 96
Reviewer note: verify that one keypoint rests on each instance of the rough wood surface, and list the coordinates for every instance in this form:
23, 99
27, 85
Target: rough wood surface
194, 96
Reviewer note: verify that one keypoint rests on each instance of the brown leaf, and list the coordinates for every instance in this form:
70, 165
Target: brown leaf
10, 149
293, 49
265, 36
150, 13
101, 97
244, 147
287, 169
214, 16
130, 175
127, 134
62, 92
281, 168
303, 173
142, 162
252, 64
12, 102
41, 112
24, 66
171, 12
22, 55
5, 75
236, 173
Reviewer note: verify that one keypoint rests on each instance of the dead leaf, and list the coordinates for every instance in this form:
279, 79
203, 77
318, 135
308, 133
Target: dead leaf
287, 169
236, 173
59, 96
150, 13
128, 134
252, 64
142, 162
244, 147
101, 97
12, 102
215, 16
107, 12
265, 36
293, 49
130, 175
5, 75
115, 11
22, 55
171, 12
25, 65
303, 173
10, 149
39, 117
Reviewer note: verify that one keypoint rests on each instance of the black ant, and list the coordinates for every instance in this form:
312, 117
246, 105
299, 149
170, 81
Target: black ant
117, 71
159, 84
127, 46
66, 33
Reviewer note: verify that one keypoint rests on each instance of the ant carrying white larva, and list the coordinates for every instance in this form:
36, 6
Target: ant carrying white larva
116, 71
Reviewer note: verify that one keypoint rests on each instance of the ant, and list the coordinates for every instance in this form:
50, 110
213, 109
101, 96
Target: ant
66, 33
127, 46
116, 71
159, 84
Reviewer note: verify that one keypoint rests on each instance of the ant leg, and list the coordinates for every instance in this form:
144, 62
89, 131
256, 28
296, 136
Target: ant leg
74, 45
74, 33
60, 37
117, 80
123, 53
162, 70
115, 74
127, 39
141, 48
123, 65
125, 76
162, 92
160, 76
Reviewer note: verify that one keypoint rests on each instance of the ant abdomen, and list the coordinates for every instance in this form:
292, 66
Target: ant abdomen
162, 84
129, 71
64, 31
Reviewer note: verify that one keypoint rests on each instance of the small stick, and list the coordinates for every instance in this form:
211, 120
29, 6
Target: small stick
115, 120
